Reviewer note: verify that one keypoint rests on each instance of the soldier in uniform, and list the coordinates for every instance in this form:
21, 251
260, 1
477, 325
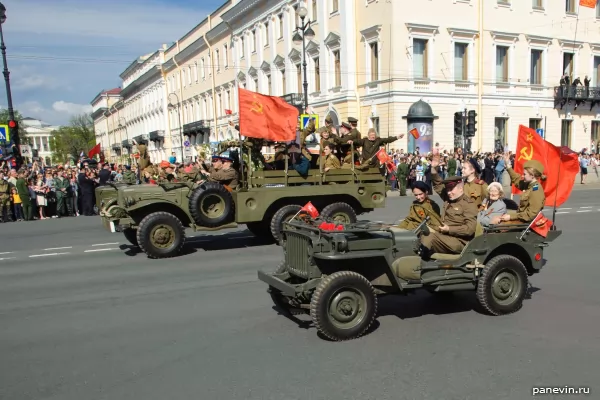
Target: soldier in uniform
402, 175
532, 197
129, 176
474, 187
4, 198
63, 188
422, 207
226, 175
371, 144
328, 160
144, 160
354, 130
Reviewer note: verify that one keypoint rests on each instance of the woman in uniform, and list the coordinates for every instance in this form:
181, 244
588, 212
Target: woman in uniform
532, 197
328, 159
422, 207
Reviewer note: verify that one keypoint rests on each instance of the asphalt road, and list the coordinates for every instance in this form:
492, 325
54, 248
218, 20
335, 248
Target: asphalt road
85, 316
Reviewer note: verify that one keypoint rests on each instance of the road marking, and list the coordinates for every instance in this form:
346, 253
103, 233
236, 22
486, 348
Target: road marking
89, 251
587, 207
58, 248
47, 254
582, 211
7, 252
565, 208
562, 212
7, 258
104, 244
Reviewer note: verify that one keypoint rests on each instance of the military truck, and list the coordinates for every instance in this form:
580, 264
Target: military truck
337, 276
106, 197
154, 217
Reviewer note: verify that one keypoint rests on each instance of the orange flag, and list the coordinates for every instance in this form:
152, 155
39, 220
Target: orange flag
267, 117
382, 156
541, 225
310, 209
561, 164
588, 3
415, 133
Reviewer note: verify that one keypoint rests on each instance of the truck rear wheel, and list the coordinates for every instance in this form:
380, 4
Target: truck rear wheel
284, 214
341, 213
343, 305
161, 235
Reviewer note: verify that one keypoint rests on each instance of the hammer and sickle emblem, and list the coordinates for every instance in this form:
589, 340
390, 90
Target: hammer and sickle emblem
257, 107
524, 155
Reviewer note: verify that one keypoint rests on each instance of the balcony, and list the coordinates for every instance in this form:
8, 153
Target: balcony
577, 95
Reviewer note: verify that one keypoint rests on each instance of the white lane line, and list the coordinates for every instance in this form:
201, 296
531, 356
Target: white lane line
565, 208
562, 212
47, 254
582, 211
7, 258
587, 207
7, 252
90, 251
59, 248
104, 244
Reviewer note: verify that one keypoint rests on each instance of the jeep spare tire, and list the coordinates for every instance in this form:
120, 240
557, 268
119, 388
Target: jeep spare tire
211, 205
341, 213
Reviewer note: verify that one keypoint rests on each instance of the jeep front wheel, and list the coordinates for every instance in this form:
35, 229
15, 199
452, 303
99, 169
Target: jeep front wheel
502, 285
341, 213
161, 235
343, 306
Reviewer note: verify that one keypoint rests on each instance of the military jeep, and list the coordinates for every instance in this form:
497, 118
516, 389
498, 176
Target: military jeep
106, 198
155, 216
337, 276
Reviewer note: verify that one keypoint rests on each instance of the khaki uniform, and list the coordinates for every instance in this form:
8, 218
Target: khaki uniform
402, 176
144, 160
532, 201
129, 177
418, 212
477, 190
370, 148
329, 161
356, 133
224, 176
4, 199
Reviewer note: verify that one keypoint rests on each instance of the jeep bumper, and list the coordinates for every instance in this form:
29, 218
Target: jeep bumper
117, 225
271, 280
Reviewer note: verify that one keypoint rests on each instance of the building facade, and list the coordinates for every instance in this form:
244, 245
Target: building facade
102, 106
373, 59
38, 137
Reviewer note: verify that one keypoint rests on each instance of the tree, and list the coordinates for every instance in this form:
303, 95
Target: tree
69, 141
19, 118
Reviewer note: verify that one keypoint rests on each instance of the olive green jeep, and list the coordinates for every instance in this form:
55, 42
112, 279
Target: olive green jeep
337, 276
155, 216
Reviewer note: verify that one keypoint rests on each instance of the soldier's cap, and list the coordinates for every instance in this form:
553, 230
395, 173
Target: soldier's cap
226, 159
422, 186
452, 182
535, 164
128, 167
475, 165
347, 125
216, 158
352, 120
328, 119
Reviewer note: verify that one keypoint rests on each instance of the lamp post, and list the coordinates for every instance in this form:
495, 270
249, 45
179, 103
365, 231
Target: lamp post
121, 126
170, 106
304, 31
11, 114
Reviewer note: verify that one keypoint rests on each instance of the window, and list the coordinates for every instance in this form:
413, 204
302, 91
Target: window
217, 60
570, 6
539, 4
461, 66
535, 76
225, 56
283, 82
598, 10
568, 64
565, 132
219, 105
255, 84
299, 76
505, 2
335, 6
337, 67
242, 47
269, 86
196, 72
280, 17
535, 123
420, 58
596, 75
595, 133
266, 33
501, 64
317, 75
314, 10
189, 75
500, 137
375, 123
254, 39
374, 61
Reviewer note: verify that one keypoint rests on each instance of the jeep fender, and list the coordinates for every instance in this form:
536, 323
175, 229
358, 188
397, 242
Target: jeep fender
141, 209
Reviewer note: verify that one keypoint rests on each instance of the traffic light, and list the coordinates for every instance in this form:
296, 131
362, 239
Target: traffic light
458, 123
13, 127
471, 123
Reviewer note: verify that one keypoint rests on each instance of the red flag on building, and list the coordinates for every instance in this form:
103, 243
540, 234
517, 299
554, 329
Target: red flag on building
267, 117
228, 112
95, 150
383, 156
541, 225
415, 133
310, 209
561, 165
588, 3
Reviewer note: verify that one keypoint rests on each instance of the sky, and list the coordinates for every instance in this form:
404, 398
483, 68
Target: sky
62, 53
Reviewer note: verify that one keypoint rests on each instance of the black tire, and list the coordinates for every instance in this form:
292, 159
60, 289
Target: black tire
161, 235
341, 213
211, 205
131, 236
284, 214
502, 286
342, 287
260, 229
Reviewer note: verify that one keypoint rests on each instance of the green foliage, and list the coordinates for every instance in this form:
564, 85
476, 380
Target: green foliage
69, 141
19, 118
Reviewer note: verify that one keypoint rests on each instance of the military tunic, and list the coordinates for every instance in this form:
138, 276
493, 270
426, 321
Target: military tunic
371, 147
330, 161
532, 198
401, 176
129, 177
4, 198
477, 189
144, 160
417, 213
224, 176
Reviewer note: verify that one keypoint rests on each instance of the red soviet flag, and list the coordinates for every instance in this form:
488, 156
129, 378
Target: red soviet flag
588, 3
382, 156
310, 209
541, 225
415, 133
95, 150
561, 165
267, 117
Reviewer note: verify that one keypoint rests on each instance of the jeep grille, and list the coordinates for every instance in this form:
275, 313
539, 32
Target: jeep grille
297, 257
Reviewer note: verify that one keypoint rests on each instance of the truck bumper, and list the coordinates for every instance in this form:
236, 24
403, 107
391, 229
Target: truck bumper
284, 287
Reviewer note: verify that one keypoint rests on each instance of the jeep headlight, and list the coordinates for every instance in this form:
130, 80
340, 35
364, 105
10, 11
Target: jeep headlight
340, 243
129, 201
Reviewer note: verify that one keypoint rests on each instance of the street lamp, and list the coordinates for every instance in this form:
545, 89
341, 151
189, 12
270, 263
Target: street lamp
304, 31
170, 106
121, 126
14, 128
